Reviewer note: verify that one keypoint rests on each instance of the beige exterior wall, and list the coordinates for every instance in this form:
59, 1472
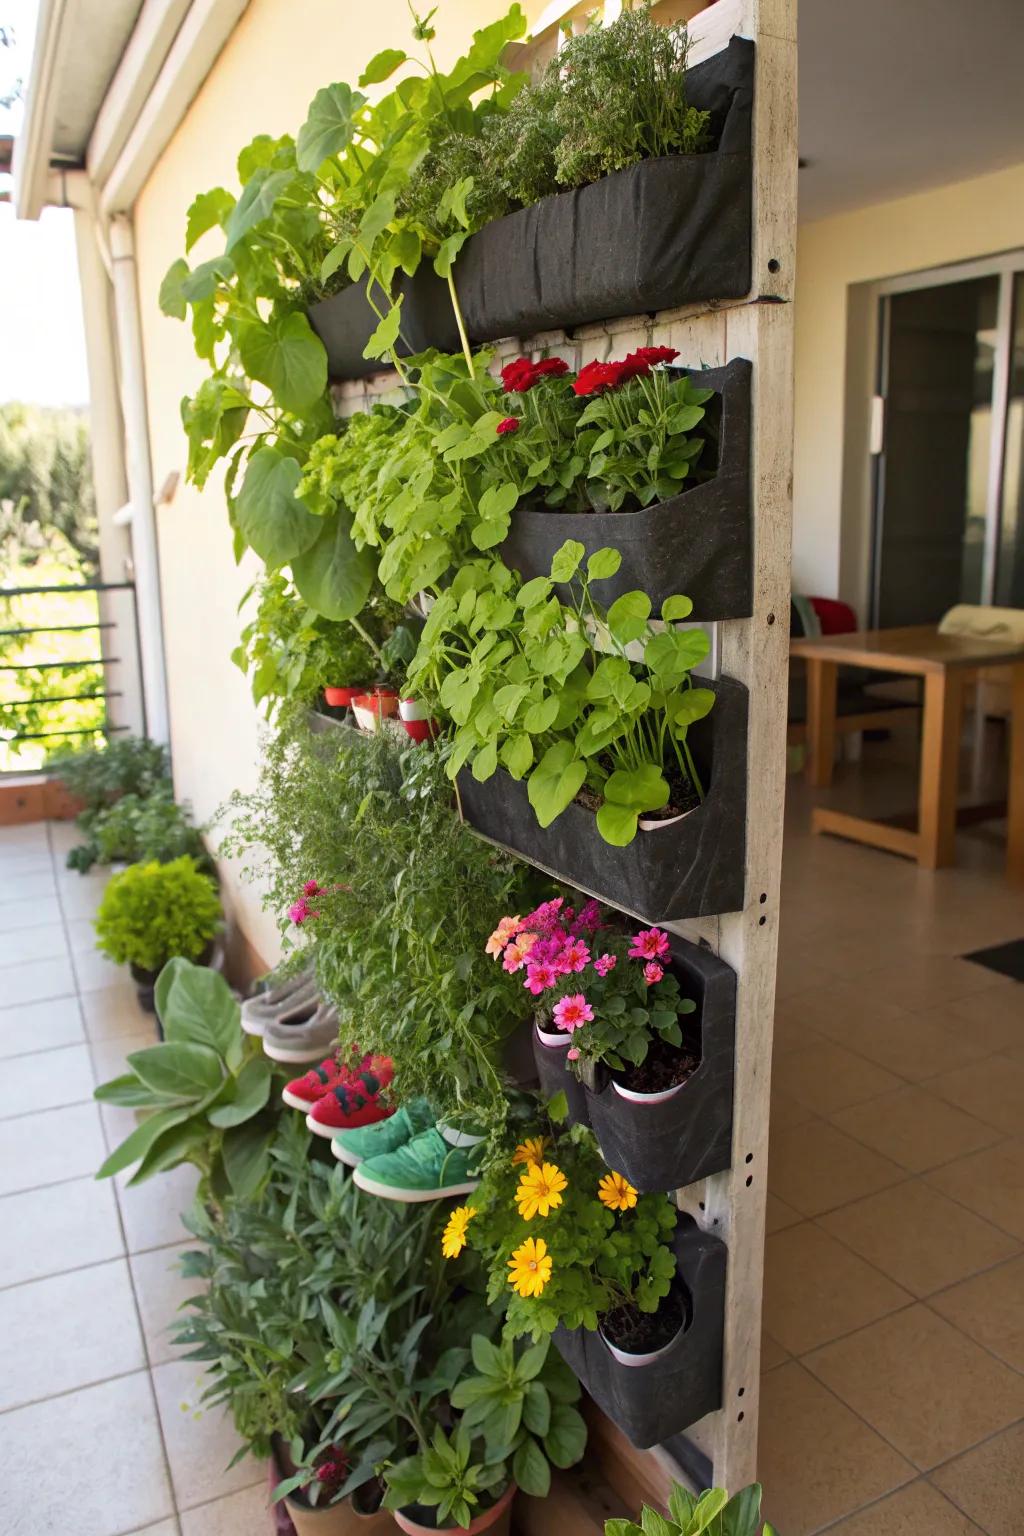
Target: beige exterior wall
278, 57
837, 260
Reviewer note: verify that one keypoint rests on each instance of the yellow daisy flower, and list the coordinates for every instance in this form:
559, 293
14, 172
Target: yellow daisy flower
616, 1192
540, 1190
531, 1150
530, 1267
453, 1239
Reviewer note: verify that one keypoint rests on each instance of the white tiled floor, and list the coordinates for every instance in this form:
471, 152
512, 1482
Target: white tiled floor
99, 1430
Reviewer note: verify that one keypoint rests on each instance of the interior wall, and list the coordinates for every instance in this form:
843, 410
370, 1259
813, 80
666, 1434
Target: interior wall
276, 60
835, 322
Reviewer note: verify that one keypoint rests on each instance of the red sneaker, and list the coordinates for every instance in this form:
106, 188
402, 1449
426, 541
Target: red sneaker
346, 1106
356, 1065
303, 1091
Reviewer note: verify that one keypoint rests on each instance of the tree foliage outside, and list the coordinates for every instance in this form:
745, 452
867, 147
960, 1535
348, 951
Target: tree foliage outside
47, 504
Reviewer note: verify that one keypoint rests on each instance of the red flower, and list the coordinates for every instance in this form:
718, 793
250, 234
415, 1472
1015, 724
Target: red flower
550, 367
652, 355
518, 376
594, 378
510, 424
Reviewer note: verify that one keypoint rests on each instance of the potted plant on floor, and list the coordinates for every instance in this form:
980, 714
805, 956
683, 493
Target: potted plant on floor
689, 1514
151, 913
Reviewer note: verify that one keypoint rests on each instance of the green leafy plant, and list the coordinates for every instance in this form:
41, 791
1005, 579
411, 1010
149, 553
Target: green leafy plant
124, 765
712, 1513
137, 829
205, 1089
152, 912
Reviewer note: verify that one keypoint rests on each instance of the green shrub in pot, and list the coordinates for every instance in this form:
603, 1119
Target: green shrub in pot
151, 913
137, 829
127, 765
711, 1513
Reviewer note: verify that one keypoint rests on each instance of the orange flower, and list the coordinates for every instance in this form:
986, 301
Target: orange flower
540, 1190
530, 1267
530, 1151
616, 1192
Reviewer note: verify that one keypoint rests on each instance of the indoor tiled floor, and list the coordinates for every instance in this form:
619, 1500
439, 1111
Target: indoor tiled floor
99, 1431
893, 1395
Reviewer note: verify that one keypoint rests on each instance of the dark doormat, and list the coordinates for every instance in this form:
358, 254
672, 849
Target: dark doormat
1007, 959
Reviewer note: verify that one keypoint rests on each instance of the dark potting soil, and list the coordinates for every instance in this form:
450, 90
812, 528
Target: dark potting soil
641, 1333
663, 1067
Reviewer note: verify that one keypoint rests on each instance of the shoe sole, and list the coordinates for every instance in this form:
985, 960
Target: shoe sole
311, 1053
412, 1196
319, 1129
350, 1159
253, 1027
294, 1102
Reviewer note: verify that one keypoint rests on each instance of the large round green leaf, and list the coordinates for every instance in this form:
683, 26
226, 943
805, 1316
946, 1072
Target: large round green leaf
270, 517
256, 203
251, 1091
328, 128
333, 575
288, 357
178, 1070
195, 1004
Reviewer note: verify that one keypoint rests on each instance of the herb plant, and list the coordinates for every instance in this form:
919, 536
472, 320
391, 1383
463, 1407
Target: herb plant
712, 1513
126, 765
137, 829
151, 912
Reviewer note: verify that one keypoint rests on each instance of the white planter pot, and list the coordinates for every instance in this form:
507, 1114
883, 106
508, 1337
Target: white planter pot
625, 1358
648, 1098
411, 709
555, 1042
367, 719
656, 823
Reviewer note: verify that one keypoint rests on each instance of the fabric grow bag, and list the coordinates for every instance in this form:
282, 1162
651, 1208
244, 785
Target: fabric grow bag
688, 1137
691, 868
345, 322
651, 1402
698, 542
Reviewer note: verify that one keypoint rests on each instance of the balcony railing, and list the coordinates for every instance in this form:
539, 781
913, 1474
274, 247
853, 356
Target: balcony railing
70, 671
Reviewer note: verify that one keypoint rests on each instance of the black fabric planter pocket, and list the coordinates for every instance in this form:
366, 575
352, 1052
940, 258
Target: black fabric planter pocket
698, 543
555, 1076
687, 868
652, 1402
345, 322
689, 1136
659, 234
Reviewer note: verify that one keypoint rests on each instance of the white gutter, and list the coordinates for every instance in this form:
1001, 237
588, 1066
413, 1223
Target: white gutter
32, 147
192, 55
154, 32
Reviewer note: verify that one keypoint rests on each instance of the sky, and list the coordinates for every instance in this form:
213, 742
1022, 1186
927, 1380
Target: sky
42, 344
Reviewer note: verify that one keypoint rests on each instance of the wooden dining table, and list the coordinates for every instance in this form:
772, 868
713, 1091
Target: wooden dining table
944, 663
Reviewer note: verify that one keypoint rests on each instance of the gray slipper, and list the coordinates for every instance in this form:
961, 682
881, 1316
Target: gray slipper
264, 1007
307, 1033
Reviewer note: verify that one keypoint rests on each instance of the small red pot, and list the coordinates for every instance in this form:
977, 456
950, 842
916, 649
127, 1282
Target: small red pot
341, 698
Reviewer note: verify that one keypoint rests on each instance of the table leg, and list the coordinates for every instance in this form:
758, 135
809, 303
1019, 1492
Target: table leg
821, 720
1015, 786
940, 753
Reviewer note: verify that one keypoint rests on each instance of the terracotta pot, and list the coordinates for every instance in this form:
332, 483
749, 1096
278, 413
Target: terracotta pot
338, 1520
497, 1519
341, 698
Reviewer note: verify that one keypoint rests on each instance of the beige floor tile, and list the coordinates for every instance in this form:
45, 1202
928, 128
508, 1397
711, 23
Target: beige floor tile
151, 1211
919, 1510
915, 1046
95, 973
33, 981
31, 1155
921, 1384
915, 1128
987, 1485
787, 1111
827, 1077
994, 1017
200, 1441
40, 1027
240, 1514
165, 1528
113, 1011
108, 1061
992, 1089
15, 914
816, 1289
989, 1182
45, 1081
29, 888
81, 933
68, 1331
22, 836
817, 1460
772, 1353
839, 1010
48, 1231
110, 1437
990, 1309
791, 1033
46, 942
917, 982
919, 1238
80, 895
161, 1291
779, 1215
815, 1167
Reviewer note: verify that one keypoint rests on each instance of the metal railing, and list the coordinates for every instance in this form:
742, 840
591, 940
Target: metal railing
70, 669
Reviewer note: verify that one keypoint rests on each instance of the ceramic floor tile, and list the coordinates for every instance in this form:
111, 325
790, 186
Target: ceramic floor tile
95, 973
22, 836
45, 1081
81, 932
986, 1483
921, 1384
15, 914
827, 1077
994, 1017
915, 1046
915, 1128
992, 1090
32, 1155
783, 1110
47, 1231
791, 1032
35, 980
815, 1289
772, 1353
919, 1238
45, 942
151, 1212
161, 1291
200, 1441
113, 1011
840, 1010
240, 1514
779, 1215
989, 1182
110, 1436
109, 1061
80, 895
815, 1167
918, 1510
46, 1347
28, 888
165, 1528
817, 1460
917, 982
40, 1027
989, 1308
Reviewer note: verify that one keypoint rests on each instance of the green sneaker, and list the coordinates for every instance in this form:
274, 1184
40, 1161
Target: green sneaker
425, 1168
354, 1147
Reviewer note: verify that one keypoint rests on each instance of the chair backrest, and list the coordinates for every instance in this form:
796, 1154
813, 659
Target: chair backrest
983, 623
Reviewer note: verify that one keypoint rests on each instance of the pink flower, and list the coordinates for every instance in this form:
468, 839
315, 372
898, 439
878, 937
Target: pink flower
574, 957
649, 944
506, 929
572, 1012
311, 888
509, 424
605, 963
572, 1053
539, 977
299, 912
653, 972
515, 954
